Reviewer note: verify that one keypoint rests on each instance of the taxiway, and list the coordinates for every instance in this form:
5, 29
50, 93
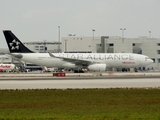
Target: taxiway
47, 81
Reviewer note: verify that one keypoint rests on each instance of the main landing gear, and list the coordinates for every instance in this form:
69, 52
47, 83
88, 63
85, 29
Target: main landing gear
78, 71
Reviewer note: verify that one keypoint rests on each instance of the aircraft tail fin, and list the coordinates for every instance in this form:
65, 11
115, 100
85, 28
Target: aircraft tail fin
14, 44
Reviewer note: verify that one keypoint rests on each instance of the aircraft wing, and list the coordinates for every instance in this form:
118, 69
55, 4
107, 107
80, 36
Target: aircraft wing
75, 61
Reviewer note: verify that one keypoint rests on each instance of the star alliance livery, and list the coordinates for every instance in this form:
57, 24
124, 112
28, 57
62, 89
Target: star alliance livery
90, 61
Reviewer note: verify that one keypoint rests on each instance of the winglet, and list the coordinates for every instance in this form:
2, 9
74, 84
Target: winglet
51, 55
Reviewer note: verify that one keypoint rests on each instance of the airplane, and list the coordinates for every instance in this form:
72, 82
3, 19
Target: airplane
90, 61
7, 67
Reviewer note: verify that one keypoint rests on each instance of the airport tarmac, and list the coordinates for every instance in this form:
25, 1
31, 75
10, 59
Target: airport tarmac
79, 81
92, 74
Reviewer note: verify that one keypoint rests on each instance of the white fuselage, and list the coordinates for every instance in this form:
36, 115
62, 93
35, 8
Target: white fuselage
117, 60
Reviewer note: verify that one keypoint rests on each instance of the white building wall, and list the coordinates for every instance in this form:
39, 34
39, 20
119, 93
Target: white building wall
78, 44
122, 46
149, 47
81, 44
40, 47
95, 44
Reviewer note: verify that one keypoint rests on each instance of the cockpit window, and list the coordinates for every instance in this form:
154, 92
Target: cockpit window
146, 58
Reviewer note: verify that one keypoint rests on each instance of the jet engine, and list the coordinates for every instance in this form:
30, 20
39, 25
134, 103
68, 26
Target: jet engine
97, 67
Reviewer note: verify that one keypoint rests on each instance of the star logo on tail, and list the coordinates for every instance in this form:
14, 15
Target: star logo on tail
14, 45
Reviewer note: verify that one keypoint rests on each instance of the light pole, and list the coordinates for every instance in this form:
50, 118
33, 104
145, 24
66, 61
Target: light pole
122, 33
65, 41
93, 33
58, 39
45, 48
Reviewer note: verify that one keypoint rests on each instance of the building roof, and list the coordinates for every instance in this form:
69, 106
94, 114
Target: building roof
39, 42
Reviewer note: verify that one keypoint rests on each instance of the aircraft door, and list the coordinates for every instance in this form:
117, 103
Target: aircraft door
138, 60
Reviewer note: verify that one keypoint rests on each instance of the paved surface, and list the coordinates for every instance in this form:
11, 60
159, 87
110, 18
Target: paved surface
44, 83
105, 74
79, 81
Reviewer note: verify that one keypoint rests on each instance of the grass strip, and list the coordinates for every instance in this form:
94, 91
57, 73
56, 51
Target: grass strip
80, 104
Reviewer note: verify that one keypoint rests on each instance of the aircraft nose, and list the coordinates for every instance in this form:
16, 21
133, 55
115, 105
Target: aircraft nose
151, 61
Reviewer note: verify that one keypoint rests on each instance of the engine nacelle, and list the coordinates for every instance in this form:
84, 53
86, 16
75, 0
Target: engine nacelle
97, 67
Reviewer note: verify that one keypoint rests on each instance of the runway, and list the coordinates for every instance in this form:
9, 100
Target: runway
74, 83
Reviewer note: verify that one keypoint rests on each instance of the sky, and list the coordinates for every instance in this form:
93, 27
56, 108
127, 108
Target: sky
38, 20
